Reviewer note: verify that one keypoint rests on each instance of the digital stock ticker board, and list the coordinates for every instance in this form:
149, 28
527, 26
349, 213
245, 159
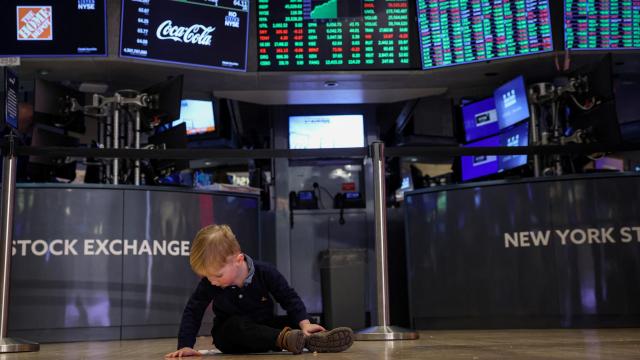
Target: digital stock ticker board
602, 24
334, 34
455, 32
206, 33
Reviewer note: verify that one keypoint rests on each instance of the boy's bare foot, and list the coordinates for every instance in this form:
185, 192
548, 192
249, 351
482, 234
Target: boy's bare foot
336, 340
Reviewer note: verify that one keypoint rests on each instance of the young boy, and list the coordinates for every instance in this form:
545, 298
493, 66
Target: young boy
241, 289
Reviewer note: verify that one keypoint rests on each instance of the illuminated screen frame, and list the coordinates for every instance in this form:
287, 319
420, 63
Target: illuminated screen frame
537, 53
104, 53
513, 92
470, 113
122, 53
412, 37
192, 130
357, 133
566, 37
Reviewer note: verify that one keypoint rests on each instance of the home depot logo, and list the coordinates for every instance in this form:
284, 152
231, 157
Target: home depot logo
34, 22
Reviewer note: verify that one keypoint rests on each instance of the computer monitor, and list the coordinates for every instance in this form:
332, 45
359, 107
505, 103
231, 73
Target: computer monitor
166, 100
55, 105
515, 136
198, 116
599, 120
174, 138
46, 168
512, 105
479, 166
326, 131
480, 119
600, 123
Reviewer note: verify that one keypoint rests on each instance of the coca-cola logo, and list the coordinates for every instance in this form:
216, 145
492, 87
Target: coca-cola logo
195, 34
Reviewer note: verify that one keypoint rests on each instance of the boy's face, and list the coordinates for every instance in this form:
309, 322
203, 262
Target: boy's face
229, 274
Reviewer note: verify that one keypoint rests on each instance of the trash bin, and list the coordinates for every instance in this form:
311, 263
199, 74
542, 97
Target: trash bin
342, 277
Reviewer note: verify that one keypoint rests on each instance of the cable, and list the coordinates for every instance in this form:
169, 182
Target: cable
319, 195
315, 185
582, 107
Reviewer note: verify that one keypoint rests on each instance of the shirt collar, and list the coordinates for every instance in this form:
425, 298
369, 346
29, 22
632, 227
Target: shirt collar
252, 269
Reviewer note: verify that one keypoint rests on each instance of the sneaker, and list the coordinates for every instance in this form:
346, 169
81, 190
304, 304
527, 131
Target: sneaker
336, 340
291, 340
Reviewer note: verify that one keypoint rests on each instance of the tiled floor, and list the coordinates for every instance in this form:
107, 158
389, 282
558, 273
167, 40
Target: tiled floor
442, 345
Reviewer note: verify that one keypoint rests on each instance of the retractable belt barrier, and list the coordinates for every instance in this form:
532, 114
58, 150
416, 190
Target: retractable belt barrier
321, 153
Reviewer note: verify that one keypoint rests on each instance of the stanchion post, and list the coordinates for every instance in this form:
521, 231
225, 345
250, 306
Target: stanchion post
9, 165
383, 331
136, 145
534, 128
116, 139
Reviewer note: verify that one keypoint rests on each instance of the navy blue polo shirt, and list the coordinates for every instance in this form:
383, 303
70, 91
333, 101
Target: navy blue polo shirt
252, 300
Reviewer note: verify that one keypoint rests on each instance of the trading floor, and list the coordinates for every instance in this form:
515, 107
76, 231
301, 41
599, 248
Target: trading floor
442, 345
466, 169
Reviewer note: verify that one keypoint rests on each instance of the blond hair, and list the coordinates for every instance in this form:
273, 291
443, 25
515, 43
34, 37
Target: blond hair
211, 247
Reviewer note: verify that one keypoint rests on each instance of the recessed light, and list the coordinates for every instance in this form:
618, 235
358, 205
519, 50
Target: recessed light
330, 83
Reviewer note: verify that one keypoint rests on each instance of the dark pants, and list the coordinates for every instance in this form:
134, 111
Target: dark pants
238, 335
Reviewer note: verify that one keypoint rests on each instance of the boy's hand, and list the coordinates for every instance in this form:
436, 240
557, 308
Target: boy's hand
308, 328
185, 351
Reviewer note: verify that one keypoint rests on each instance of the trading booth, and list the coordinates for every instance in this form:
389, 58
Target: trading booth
104, 262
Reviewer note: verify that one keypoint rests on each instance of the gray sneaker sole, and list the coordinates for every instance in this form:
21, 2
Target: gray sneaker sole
336, 340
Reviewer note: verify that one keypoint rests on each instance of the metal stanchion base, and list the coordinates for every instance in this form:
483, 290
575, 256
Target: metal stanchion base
9, 345
386, 333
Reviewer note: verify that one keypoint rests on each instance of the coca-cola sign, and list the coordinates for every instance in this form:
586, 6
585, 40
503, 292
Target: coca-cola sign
195, 34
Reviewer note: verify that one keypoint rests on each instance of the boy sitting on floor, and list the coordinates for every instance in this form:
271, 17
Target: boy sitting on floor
240, 290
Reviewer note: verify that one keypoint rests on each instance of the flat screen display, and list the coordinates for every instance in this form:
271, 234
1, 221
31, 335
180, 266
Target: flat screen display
326, 131
511, 102
334, 34
485, 165
208, 33
198, 116
480, 119
482, 165
601, 24
53, 28
463, 31
516, 136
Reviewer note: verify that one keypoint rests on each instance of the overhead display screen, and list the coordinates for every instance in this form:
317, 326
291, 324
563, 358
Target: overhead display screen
53, 28
334, 34
209, 33
326, 131
464, 31
602, 24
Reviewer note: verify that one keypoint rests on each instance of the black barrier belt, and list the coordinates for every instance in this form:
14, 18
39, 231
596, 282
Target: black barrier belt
576, 149
190, 153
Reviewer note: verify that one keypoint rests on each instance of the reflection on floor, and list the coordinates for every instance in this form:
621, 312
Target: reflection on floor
442, 345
